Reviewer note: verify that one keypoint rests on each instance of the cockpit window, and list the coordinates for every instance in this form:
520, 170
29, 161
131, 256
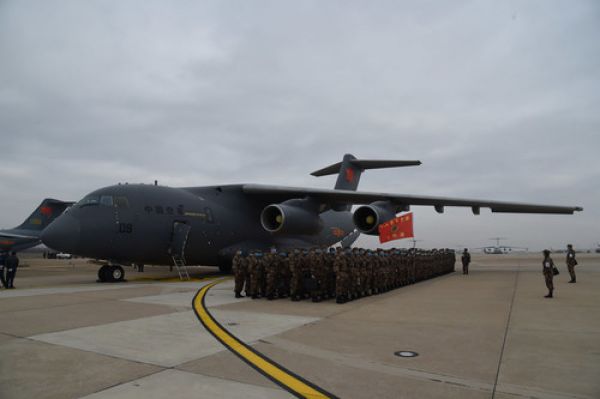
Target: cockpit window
121, 202
106, 200
89, 200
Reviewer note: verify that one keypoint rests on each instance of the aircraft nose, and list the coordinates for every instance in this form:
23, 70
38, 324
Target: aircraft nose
62, 234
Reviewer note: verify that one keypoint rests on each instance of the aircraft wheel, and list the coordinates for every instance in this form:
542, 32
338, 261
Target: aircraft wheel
116, 273
103, 273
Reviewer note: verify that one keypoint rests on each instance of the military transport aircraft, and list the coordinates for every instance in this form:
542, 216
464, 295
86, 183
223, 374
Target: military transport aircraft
27, 235
500, 249
151, 224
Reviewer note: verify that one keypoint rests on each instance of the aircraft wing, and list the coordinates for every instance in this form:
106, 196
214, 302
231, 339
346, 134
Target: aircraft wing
336, 197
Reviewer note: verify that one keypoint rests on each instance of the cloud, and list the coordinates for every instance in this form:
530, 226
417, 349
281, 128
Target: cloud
499, 101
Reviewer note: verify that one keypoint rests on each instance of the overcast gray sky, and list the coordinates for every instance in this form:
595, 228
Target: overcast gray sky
499, 100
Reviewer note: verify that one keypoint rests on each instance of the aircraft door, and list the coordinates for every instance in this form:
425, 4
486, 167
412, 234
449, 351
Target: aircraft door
181, 230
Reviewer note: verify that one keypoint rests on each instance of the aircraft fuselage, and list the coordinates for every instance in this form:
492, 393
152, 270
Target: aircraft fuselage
133, 223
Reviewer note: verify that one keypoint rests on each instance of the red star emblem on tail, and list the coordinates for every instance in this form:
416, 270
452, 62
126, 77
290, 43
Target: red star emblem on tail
46, 211
349, 175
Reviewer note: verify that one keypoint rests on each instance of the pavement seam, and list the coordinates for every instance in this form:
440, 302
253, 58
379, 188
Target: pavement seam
128, 381
512, 300
176, 368
87, 351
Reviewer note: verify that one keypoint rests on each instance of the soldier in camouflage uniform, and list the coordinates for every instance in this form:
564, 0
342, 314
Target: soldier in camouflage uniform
284, 275
257, 279
319, 274
466, 259
355, 282
328, 259
250, 266
271, 274
340, 266
571, 263
548, 270
296, 275
240, 270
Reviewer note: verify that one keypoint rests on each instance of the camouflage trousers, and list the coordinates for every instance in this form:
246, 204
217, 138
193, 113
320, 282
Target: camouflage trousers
465, 268
548, 276
257, 283
571, 271
271, 283
240, 279
296, 284
341, 284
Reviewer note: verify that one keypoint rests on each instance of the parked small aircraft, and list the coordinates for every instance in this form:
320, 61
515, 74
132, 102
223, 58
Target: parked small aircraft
27, 235
151, 224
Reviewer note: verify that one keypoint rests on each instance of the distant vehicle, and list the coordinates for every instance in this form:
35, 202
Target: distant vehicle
151, 224
27, 234
62, 255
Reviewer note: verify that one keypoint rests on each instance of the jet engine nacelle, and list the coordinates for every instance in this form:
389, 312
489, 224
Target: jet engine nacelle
296, 216
367, 218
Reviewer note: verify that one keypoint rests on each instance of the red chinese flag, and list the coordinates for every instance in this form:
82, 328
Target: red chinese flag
396, 229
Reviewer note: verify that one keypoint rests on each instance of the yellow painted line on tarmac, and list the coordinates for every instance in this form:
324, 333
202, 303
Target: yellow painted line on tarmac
287, 379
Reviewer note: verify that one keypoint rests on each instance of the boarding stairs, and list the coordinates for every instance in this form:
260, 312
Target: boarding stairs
178, 242
181, 267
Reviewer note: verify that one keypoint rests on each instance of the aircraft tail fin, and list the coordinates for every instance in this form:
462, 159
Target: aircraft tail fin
44, 214
350, 169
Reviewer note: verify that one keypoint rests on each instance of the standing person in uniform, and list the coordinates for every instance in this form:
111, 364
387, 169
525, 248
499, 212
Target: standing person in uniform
284, 275
548, 269
239, 271
251, 265
2, 276
295, 275
258, 278
466, 259
571, 262
12, 263
271, 262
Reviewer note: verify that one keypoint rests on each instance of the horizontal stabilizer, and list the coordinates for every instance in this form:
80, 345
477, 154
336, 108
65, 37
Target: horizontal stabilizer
364, 164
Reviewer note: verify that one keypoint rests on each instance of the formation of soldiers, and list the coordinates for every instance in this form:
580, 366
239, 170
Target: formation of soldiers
343, 274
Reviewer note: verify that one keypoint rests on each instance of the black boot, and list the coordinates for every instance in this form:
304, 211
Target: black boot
238, 295
549, 294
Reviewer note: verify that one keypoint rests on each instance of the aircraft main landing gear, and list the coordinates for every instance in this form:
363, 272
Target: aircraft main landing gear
111, 274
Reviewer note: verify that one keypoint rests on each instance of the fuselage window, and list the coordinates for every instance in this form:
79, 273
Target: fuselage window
159, 209
89, 200
121, 202
169, 210
106, 200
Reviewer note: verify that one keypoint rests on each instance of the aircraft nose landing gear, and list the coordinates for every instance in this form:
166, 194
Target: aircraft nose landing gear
111, 274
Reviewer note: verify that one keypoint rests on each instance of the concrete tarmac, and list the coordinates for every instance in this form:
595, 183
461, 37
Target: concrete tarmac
490, 334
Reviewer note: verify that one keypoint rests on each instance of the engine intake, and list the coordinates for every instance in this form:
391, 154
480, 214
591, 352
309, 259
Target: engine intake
367, 218
297, 216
